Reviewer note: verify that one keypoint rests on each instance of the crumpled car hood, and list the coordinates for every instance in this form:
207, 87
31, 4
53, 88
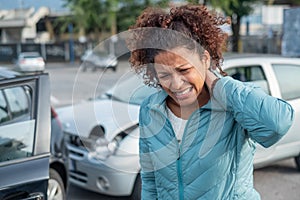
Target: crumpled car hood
114, 116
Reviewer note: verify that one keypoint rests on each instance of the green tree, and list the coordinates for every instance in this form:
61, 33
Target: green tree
88, 16
286, 2
236, 9
295, 2
197, 1
96, 16
131, 9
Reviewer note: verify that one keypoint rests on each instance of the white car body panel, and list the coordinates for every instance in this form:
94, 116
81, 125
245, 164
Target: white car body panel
114, 116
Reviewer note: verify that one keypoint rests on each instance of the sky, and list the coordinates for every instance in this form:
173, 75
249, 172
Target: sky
54, 5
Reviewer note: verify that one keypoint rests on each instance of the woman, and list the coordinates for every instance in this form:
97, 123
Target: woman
198, 133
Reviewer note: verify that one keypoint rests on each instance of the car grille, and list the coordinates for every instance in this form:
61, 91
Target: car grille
77, 148
78, 176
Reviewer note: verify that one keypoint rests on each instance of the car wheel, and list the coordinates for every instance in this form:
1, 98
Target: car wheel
114, 68
83, 69
136, 192
297, 161
86, 64
56, 189
83, 66
94, 68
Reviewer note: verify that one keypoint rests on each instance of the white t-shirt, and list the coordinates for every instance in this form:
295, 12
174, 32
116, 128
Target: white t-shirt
178, 124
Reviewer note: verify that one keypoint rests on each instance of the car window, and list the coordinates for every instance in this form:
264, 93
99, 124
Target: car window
288, 80
17, 125
3, 109
18, 101
32, 56
252, 74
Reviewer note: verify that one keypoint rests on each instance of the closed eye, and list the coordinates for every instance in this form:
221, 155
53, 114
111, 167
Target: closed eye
163, 76
185, 70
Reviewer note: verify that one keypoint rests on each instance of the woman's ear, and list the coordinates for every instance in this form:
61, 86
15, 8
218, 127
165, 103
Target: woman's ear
206, 59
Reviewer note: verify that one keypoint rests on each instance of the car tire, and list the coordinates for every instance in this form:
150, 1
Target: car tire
83, 67
136, 192
56, 189
297, 161
94, 69
114, 68
86, 65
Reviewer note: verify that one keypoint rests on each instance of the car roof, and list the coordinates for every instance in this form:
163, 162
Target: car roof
6, 73
256, 56
33, 53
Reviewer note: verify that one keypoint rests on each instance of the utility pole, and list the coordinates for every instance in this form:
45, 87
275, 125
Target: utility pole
270, 2
113, 28
113, 16
71, 43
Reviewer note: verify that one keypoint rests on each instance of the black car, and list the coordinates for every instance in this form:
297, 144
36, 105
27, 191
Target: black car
58, 177
27, 168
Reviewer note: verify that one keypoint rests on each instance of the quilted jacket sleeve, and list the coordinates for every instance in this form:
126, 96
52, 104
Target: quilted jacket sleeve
265, 118
147, 170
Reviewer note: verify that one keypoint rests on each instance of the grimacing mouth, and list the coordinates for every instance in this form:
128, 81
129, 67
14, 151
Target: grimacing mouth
182, 92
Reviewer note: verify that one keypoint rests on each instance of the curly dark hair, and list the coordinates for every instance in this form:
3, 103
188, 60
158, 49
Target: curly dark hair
189, 26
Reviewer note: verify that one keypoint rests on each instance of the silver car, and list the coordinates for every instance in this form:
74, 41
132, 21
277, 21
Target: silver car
98, 60
30, 62
102, 135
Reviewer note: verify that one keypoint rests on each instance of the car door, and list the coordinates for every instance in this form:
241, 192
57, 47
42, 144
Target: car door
24, 137
287, 76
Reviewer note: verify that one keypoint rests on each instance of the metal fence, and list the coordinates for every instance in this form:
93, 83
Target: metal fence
61, 52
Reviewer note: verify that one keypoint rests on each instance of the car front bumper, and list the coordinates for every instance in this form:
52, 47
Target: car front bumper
32, 68
115, 176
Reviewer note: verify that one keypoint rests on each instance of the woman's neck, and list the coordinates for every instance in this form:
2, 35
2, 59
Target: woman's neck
185, 112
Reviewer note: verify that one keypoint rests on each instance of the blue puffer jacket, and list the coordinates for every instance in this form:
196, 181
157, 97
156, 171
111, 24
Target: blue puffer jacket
215, 157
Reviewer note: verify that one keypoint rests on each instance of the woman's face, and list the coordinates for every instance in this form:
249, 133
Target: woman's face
181, 74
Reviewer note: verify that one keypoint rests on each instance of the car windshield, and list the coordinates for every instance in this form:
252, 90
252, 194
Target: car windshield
30, 55
131, 90
101, 53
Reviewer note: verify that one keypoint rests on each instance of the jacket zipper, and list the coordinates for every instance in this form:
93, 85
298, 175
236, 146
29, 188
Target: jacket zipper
178, 161
179, 175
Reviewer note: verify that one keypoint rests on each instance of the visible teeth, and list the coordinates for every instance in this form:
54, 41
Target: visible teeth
183, 92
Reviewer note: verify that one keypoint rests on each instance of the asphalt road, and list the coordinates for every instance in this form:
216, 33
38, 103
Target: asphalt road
280, 181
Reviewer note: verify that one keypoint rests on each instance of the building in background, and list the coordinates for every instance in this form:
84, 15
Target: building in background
28, 25
291, 33
19, 25
265, 20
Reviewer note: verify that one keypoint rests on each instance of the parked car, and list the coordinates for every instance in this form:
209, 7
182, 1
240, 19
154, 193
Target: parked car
30, 62
24, 136
17, 105
102, 135
98, 60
